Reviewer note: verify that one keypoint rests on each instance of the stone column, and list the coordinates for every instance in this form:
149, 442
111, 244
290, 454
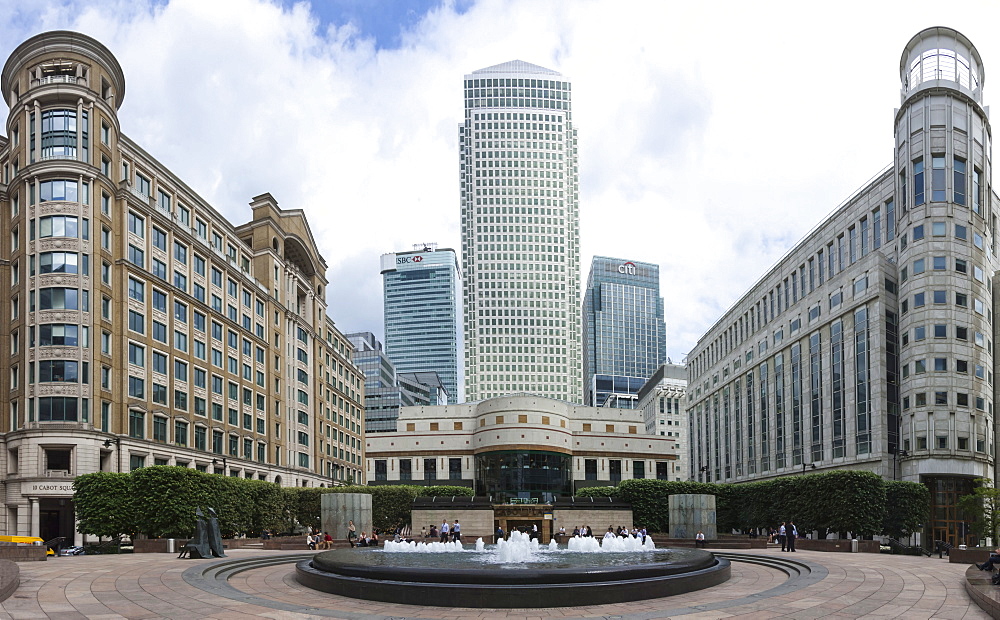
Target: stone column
35, 517
691, 513
337, 509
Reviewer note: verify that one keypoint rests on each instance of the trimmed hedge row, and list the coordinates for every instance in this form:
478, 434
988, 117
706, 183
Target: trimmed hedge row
160, 501
838, 501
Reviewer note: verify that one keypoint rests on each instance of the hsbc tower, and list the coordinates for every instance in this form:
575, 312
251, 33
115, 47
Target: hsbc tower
421, 301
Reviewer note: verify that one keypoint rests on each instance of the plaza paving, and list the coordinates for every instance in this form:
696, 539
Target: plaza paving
160, 586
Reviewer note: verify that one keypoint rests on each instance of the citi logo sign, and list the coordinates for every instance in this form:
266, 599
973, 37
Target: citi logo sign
627, 268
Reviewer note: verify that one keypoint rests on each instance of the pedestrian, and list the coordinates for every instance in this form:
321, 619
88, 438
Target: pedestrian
498, 535
991, 562
699, 539
793, 533
456, 532
444, 531
782, 535
423, 533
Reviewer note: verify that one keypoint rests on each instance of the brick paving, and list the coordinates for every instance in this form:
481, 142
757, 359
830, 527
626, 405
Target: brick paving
154, 586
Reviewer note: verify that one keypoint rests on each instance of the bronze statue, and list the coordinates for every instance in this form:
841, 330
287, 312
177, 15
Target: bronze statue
214, 535
199, 547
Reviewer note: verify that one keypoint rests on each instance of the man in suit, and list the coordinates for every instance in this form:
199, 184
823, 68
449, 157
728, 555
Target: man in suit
792, 534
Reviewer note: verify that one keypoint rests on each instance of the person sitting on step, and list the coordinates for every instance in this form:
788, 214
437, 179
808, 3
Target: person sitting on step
991, 562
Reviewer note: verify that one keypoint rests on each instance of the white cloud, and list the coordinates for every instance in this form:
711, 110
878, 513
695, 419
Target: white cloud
712, 135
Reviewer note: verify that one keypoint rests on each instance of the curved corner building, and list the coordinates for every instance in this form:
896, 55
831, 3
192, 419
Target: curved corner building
520, 234
870, 344
144, 328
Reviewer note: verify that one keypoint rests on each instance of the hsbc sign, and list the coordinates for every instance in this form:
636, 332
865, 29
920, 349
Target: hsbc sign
627, 268
407, 260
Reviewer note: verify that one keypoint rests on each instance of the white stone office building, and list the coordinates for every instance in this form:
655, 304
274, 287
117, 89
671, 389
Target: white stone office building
520, 234
663, 403
521, 445
869, 345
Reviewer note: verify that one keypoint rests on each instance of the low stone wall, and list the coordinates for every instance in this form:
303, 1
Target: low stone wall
842, 545
982, 591
160, 545
976, 555
597, 518
23, 553
720, 543
10, 579
297, 543
476, 523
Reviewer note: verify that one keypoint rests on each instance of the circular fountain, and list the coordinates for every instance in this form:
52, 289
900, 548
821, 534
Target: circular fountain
517, 572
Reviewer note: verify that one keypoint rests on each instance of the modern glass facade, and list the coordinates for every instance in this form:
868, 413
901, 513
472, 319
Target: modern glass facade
527, 474
423, 332
385, 390
520, 234
624, 334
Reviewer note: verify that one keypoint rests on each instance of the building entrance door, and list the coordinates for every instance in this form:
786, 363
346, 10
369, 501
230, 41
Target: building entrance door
523, 517
55, 519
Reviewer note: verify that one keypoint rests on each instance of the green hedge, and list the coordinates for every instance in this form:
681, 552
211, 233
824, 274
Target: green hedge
161, 501
837, 501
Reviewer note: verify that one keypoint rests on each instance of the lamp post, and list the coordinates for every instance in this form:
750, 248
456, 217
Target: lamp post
224, 466
896, 455
116, 441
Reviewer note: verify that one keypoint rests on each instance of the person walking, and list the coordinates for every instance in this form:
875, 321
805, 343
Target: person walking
444, 531
456, 532
793, 533
352, 533
782, 535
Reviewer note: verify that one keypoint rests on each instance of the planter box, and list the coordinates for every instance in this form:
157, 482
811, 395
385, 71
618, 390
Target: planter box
841, 545
968, 556
23, 553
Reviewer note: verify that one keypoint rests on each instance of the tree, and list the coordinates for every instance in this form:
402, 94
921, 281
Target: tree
907, 508
984, 507
103, 504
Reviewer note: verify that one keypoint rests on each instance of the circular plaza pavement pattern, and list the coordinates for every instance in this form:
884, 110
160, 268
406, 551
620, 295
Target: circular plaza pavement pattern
254, 583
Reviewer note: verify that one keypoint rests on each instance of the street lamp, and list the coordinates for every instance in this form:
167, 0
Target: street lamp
896, 455
805, 465
224, 466
117, 442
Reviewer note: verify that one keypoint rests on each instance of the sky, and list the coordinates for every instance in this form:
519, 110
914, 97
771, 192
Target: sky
712, 135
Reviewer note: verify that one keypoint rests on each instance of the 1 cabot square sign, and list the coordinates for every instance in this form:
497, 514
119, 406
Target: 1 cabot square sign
49, 488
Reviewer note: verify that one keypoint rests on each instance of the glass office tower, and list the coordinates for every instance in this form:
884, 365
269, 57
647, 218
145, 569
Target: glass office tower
422, 329
625, 337
385, 390
520, 234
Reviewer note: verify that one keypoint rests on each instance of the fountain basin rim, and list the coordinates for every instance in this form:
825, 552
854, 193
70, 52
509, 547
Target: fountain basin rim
350, 563
500, 596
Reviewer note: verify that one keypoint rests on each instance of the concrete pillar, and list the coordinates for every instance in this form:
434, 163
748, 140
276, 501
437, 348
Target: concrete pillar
692, 513
35, 517
338, 509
